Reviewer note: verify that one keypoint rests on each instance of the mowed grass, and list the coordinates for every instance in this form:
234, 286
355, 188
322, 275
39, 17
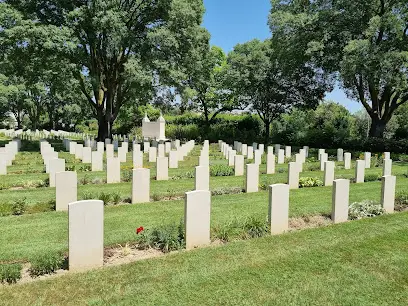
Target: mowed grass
163, 188
356, 263
24, 237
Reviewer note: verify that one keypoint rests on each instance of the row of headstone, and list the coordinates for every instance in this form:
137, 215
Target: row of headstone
8, 154
52, 163
86, 218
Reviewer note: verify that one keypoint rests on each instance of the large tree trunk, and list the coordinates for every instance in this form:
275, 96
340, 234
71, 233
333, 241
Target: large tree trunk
104, 128
377, 127
267, 131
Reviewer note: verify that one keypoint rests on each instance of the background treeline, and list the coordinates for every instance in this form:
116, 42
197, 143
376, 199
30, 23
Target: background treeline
97, 66
330, 125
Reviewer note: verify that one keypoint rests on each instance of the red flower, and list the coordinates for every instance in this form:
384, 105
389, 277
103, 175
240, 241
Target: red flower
139, 229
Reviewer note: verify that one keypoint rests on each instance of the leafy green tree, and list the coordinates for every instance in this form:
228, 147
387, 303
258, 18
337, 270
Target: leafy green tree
204, 85
270, 85
330, 123
362, 43
118, 51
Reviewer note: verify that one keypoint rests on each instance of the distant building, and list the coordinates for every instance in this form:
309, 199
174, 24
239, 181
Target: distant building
154, 130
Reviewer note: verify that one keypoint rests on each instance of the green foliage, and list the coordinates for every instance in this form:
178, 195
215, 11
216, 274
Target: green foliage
401, 200
10, 273
246, 228
85, 180
19, 207
312, 167
116, 198
260, 74
46, 264
364, 45
105, 197
186, 175
226, 190
166, 238
143, 41
371, 177
310, 182
127, 176
365, 209
221, 170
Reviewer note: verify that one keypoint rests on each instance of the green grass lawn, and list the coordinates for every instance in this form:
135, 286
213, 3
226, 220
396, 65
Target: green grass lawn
161, 188
357, 263
24, 237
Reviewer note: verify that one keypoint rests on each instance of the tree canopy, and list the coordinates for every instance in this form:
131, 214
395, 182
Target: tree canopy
364, 44
118, 52
261, 77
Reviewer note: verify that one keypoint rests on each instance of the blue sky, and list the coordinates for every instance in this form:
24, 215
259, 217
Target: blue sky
236, 21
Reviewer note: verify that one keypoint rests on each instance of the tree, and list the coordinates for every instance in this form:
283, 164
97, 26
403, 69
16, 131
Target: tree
205, 84
362, 43
270, 85
118, 51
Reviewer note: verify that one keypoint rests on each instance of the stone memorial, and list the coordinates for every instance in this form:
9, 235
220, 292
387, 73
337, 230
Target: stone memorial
278, 212
328, 173
239, 165
141, 186
112, 170
388, 183
197, 214
85, 235
202, 178
252, 178
66, 189
340, 200
162, 169
97, 161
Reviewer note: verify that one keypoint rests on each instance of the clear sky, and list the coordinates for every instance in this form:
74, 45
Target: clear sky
236, 21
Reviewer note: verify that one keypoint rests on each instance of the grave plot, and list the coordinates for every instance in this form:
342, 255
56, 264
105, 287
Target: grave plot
201, 201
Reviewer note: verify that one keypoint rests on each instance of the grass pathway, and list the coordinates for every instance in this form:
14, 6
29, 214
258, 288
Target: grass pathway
357, 263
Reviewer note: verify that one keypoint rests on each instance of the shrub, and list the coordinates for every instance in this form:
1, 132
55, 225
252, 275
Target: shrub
86, 195
127, 176
10, 273
240, 229
310, 182
46, 264
254, 228
116, 198
401, 200
313, 167
280, 170
365, 209
371, 177
165, 238
85, 180
226, 190
189, 174
19, 207
221, 170
105, 197
156, 197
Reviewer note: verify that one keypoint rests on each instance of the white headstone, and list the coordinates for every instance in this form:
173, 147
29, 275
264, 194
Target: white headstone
141, 186
340, 200
197, 213
66, 189
278, 214
112, 170
202, 178
85, 235
388, 192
